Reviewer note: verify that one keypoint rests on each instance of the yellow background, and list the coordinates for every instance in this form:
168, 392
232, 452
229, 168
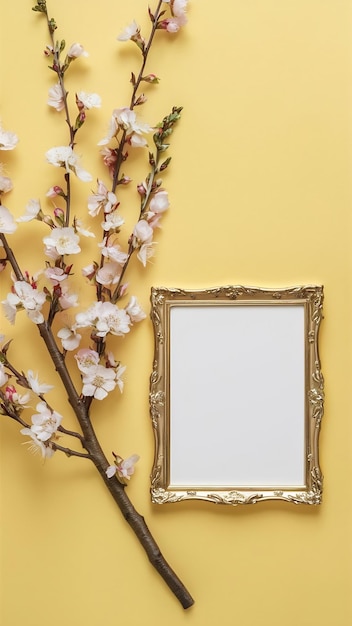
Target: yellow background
260, 195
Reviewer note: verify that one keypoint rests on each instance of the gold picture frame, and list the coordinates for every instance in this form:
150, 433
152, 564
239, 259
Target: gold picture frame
236, 394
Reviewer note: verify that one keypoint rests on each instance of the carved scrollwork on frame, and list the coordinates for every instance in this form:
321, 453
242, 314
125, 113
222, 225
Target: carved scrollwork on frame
165, 488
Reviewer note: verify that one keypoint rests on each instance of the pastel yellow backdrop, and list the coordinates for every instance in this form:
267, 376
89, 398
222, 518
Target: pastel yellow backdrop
260, 194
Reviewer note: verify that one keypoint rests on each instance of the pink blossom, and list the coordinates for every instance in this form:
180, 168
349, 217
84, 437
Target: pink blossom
86, 358
123, 468
66, 299
109, 274
142, 232
55, 274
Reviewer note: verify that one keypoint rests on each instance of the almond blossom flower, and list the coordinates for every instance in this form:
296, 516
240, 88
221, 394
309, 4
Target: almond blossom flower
8, 140
43, 430
143, 236
109, 274
102, 199
142, 232
98, 381
7, 221
35, 385
76, 50
69, 338
5, 184
113, 221
64, 156
55, 274
79, 228
178, 19
46, 422
123, 468
64, 240
33, 211
129, 32
113, 252
24, 296
66, 299
88, 100
134, 310
126, 119
17, 399
109, 157
56, 97
159, 202
105, 318
36, 445
86, 358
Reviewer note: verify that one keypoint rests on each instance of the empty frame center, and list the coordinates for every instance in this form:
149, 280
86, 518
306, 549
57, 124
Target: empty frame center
237, 396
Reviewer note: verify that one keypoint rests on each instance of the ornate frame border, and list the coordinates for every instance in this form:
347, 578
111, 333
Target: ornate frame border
162, 299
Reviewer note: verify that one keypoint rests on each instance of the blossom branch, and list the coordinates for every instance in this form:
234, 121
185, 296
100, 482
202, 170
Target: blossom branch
136, 83
103, 317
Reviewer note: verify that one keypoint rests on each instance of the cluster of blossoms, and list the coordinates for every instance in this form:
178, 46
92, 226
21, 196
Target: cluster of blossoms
100, 372
43, 431
45, 423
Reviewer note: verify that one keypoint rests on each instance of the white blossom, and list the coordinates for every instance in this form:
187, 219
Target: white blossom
7, 221
102, 199
89, 100
5, 184
64, 240
130, 31
3, 376
36, 386
24, 296
86, 358
134, 310
105, 318
98, 381
8, 140
56, 97
46, 422
126, 119
36, 445
159, 202
76, 50
123, 468
108, 274
69, 338
64, 156
113, 221
32, 211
